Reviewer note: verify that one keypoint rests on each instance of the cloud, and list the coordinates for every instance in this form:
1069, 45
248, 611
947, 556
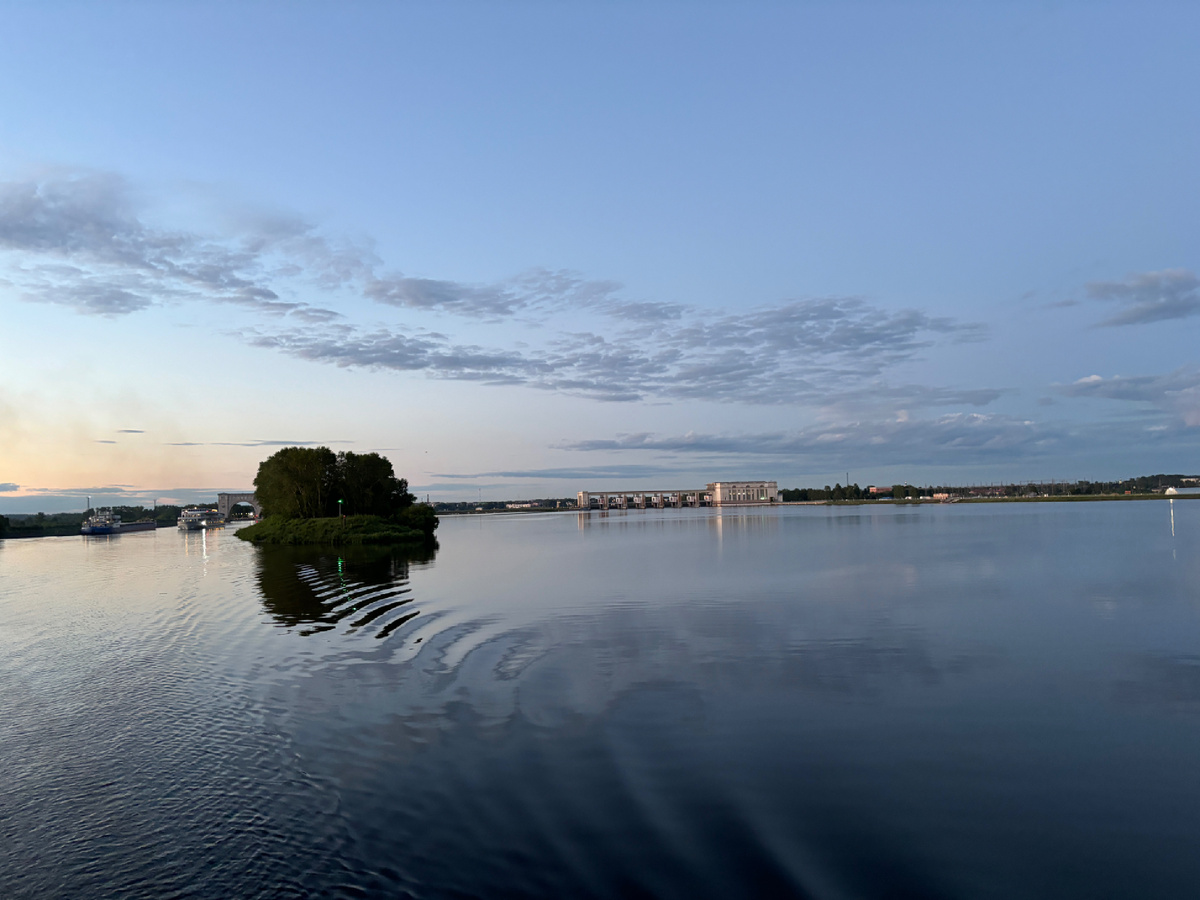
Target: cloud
254, 443
950, 439
570, 473
384, 349
806, 351
276, 443
104, 442
536, 289
85, 240
82, 241
1150, 297
130, 431
426, 293
7, 487
1176, 392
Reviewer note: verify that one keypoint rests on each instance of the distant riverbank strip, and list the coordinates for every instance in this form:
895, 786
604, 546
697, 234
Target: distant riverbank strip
1059, 498
499, 510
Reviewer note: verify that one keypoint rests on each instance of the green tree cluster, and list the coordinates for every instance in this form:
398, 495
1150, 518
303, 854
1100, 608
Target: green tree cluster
308, 482
837, 492
163, 515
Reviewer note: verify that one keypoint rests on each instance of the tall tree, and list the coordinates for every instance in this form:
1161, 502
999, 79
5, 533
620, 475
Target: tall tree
308, 482
297, 482
369, 486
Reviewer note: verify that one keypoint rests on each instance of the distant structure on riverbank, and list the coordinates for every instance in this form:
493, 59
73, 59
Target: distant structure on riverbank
716, 493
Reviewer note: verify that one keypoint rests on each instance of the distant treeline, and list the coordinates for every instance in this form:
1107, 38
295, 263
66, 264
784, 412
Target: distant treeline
43, 525
1144, 484
837, 492
472, 505
40, 525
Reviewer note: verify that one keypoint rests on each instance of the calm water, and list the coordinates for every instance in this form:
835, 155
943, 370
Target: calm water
952, 701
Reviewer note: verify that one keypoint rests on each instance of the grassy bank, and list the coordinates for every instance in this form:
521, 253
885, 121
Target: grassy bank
411, 527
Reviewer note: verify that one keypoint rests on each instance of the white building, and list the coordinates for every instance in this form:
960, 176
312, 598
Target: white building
743, 493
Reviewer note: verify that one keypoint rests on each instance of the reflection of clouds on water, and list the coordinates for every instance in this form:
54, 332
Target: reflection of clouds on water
694, 736
577, 667
816, 706
1173, 680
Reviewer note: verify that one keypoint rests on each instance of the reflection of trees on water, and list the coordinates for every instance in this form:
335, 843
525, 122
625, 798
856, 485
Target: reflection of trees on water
321, 587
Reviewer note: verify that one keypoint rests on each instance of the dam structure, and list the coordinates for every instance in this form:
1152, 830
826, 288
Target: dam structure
716, 493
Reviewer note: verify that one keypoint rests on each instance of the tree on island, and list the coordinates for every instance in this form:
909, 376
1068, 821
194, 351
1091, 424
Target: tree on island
303, 489
308, 482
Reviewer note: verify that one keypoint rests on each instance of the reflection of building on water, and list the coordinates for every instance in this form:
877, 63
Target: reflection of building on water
716, 493
741, 520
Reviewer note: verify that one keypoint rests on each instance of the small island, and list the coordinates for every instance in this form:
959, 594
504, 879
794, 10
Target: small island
310, 495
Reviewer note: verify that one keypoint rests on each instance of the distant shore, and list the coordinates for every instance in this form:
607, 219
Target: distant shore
912, 501
390, 534
1054, 498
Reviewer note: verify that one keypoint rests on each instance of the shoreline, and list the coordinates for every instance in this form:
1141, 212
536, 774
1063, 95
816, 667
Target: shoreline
1057, 498
1064, 498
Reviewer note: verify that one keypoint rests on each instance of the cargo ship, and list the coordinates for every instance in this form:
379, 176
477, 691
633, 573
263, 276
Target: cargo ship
105, 521
195, 519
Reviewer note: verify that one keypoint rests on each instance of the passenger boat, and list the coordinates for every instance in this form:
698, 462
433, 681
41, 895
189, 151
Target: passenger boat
195, 519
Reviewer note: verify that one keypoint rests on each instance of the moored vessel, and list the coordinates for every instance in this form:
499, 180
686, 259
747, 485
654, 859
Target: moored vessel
195, 519
105, 521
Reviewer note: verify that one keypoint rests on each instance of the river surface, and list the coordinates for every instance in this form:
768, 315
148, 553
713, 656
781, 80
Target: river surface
940, 701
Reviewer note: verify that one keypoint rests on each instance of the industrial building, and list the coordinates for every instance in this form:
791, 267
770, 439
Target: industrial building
716, 493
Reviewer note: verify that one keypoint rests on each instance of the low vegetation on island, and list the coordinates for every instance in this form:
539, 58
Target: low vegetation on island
310, 495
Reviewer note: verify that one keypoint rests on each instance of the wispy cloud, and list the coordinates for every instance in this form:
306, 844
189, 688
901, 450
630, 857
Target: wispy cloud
949, 439
7, 487
1176, 392
809, 351
569, 473
130, 431
255, 443
83, 239
1150, 297
381, 348
83, 242
537, 288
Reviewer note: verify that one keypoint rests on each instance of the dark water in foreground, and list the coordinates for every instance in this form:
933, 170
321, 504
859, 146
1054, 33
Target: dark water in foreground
994, 701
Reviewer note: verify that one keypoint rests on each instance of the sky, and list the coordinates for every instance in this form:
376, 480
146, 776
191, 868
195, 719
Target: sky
527, 249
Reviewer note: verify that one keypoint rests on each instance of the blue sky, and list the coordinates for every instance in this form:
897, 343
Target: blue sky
526, 249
